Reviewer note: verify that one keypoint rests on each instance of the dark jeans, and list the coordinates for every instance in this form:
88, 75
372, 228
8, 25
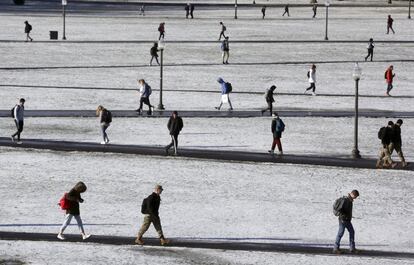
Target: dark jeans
103, 130
390, 28
156, 59
19, 126
341, 231
269, 107
161, 35
174, 142
286, 12
312, 86
222, 34
145, 100
370, 53
389, 87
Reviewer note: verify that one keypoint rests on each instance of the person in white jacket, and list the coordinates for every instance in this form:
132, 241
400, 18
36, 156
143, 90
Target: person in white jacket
312, 79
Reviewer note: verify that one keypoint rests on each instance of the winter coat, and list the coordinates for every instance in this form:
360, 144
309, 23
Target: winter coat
346, 210
27, 28
74, 197
144, 90
175, 125
103, 117
269, 96
223, 86
277, 125
19, 112
312, 76
153, 204
390, 21
161, 28
154, 51
396, 135
225, 45
388, 134
389, 76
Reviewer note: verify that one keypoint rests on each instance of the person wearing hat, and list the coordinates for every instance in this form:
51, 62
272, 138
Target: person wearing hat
344, 209
396, 142
175, 125
150, 207
277, 128
18, 116
269, 99
370, 48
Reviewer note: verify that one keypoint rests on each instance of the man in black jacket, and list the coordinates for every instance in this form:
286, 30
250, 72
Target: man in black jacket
386, 133
345, 217
396, 142
150, 209
27, 29
269, 99
175, 125
154, 53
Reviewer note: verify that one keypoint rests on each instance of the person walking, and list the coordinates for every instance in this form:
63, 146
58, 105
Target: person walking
286, 10
277, 128
105, 119
269, 99
263, 12
74, 198
175, 125
223, 29
385, 134
27, 29
187, 11
389, 78
18, 116
225, 48
396, 142
145, 92
154, 53
150, 210
370, 48
142, 10
226, 89
192, 11
390, 21
312, 79
161, 30
343, 209
314, 9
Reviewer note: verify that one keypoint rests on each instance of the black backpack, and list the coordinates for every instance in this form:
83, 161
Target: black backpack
337, 206
29, 27
144, 206
108, 118
229, 87
381, 133
12, 112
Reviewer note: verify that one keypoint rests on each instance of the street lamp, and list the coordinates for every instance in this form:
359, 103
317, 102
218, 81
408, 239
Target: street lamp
235, 9
356, 75
409, 9
327, 3
64, 3
161, 47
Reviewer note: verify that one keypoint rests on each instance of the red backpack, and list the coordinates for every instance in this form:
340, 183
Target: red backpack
64, 203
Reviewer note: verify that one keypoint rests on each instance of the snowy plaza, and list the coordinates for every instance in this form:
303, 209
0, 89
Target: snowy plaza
108, 49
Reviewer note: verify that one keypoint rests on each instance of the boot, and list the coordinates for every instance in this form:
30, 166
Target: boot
139, 241
164, 241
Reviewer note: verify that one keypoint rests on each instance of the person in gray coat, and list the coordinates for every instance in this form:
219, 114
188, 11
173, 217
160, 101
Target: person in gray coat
18, 116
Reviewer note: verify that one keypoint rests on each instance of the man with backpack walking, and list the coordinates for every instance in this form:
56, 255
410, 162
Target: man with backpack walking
225, 48
145, 91
269, 99
175, 125
390, 21
154, 53
396, 142
150, 209
277, 127
385, 134
389, 78
105, 118
370, 48
312, 79
161, 30
343, 209
226, 89
18, 116
223, 29
27, 29
70, 203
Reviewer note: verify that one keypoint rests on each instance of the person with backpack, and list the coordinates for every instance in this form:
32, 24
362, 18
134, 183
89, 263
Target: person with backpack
343, 209
223, 29
370, 48
312, 79
225, 48
263, 12
174, 125
105, 118
226, 89
18, 115
396, 142
385, 134
269, 99
70, 203
286, 10
390, 21
150, 209
277, 127
154, 53
145, 92
187, 10
389, 78
161, 30
27, 29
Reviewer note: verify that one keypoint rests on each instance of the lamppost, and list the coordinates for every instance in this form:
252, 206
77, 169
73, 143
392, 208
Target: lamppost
161, 46
327, 3
356, 75
409, 9
64, 3
235, 9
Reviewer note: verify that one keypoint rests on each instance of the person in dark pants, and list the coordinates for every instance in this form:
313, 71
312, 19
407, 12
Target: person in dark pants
175, 125
370, 48
27, 30
192, 11
286, 10
187, 10
314, 9
223, 29
74, 199
225, 48
396, 142
145, 92
385, 135
312, 79
161, 30
18, 116
277, 128
150, 209
345, 217
154, 53
390, 21
263, 12
105, 119
269, 99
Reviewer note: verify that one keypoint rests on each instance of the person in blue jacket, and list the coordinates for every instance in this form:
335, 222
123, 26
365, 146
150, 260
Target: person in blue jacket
226, 89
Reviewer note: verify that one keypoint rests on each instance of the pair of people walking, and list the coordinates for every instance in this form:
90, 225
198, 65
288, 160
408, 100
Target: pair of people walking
390, 137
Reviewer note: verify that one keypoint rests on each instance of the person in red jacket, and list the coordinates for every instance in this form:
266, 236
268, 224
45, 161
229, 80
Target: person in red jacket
389, 77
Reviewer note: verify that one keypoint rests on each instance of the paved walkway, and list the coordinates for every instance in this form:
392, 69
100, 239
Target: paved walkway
298, 248
236, 156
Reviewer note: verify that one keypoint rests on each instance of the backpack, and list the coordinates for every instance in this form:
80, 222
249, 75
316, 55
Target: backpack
224, 28
308, 74
29, 27
108, 118
149, 90
280, 127
12, 112
64, 203
381, 133
337, 206
229, 87
144, 206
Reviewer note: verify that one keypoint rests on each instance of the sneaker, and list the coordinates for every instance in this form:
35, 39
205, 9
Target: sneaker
354, 251
85, 236
107, 141
271, 152
61, 237
12, 138
19, 142
336, 251
217, 108
139, 241
164, 241
281, 153
230, 109
313, 94
103, 142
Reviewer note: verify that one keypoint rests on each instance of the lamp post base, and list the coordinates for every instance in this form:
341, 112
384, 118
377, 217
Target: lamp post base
160, 107
355, 153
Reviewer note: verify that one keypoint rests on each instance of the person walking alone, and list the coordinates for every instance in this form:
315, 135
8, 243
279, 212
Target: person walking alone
286, 10
370, 48
269, 99
142, 10
389, 78
150, 210
27, 29
396, 142
312, 79
277, 128
225, 48
314, 9
226, 89
223, 29
263, 12
18, 116
154, 53
343, 209
74, 198
105, 119
390, 21
175, 125
145, 91
161, 30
